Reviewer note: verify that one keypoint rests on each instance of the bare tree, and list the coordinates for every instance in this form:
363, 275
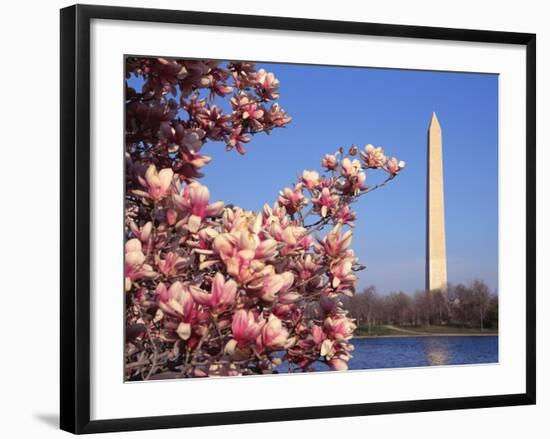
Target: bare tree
481, 296
471, 305
364, 307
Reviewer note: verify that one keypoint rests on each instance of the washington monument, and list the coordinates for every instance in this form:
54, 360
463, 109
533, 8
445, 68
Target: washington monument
436, 254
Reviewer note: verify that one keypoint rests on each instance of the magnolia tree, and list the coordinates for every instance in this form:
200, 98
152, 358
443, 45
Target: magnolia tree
211, 288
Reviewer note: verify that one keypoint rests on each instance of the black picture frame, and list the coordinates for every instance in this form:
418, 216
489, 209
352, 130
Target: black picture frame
75, 217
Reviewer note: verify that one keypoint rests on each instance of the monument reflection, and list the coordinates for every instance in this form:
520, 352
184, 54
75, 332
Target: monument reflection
436, 351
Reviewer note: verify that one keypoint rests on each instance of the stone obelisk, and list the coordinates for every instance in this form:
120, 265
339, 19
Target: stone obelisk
436, 255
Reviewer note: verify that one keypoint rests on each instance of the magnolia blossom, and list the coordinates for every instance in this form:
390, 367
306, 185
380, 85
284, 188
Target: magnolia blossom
247, 108
355, 183
246, 327
373, 157
171, 216
292, 238
176, 136
268, 85
318, 335
142, 233
326, 202
340, 328
222, 294
171, 264
135, 266
190, 163
177, 302
275, 117
310, 179
346, 216
342, 272
238, 252
330, 162
157, 183
292, 199
339, 363
350, 168
393, 166
213, 122
194, 201
236, 140
335, 243
220, 88
306, 266
274, 335
269, 284
192, 139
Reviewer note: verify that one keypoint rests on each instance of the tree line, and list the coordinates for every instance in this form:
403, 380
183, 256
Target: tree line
471, 305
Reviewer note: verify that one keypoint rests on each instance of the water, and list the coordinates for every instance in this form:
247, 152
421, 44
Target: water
384, 352
394, 352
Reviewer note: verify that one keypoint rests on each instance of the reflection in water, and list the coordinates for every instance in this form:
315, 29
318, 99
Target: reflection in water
437, 351
382, 352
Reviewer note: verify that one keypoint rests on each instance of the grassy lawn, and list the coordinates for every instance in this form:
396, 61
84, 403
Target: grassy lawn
450, 329
381, 330
377, 330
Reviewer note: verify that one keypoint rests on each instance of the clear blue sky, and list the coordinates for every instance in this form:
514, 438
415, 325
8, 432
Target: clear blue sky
335, 106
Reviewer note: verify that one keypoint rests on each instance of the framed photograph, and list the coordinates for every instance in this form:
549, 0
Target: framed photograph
273, 218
